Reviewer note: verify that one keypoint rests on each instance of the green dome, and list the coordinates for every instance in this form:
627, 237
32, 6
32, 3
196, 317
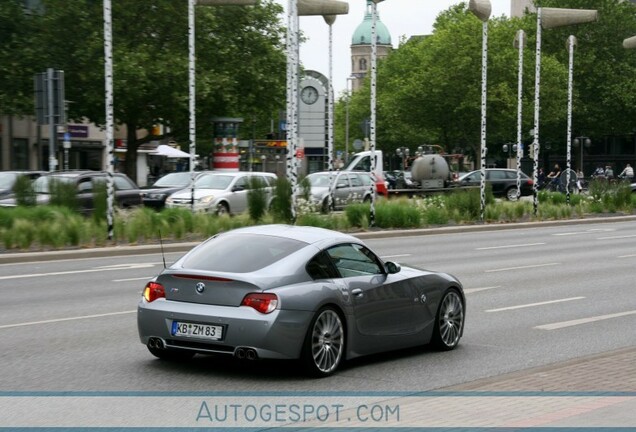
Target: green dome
362, 35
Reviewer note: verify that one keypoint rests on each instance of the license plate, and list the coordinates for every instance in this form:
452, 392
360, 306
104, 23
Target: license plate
203, 331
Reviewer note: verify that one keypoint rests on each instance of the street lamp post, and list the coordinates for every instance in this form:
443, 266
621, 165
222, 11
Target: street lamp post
482, 10
509, 148
374, 73
550, 18
264, 162
520, 44
404, 153
110, 123
349, 80
583, 142
571, 44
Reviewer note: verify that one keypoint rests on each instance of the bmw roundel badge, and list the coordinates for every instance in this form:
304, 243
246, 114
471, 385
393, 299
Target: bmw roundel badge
200, 287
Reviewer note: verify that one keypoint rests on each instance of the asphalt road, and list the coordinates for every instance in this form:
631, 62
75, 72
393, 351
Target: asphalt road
535, 296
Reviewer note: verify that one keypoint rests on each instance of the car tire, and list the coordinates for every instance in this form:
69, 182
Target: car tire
511, 194
449, 321
171, 355
324, 346
222, 209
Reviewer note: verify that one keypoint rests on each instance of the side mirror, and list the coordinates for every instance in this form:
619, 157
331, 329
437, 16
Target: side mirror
238, 188
392, 267
341, 185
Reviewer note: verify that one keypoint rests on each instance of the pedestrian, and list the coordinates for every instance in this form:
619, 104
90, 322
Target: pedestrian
541, 178
599, 172
627, 173
554, 177
609, 172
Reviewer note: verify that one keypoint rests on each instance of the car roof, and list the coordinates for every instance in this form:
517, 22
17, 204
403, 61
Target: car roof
305, 234
238, 173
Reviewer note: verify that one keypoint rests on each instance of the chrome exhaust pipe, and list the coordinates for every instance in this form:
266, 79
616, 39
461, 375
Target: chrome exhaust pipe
251, 354
155, 343
240, 353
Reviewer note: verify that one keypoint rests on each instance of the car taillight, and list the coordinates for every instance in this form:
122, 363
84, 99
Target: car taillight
154, 291
262, 302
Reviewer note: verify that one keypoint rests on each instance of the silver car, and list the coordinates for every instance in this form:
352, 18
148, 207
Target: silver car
346, 187
221, 192
294, 292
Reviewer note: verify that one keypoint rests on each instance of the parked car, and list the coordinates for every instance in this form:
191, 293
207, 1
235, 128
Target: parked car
347, 187
295, 292
9, 178
503, 182
127, 193
221, 192
155, 195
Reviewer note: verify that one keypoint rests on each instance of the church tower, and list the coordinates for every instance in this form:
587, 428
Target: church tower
361, 46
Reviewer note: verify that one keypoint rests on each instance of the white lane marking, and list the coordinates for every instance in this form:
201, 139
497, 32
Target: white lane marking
593, 230
521, 267
628, 256
510, 246
564, 324
474, 290
396, 256
133, 279
65, 319
534, 304
128, 267
125, 265
617, 237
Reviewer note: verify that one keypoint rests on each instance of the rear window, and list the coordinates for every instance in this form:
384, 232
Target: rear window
241, 253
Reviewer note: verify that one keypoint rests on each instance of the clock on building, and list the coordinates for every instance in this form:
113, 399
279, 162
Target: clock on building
309, 95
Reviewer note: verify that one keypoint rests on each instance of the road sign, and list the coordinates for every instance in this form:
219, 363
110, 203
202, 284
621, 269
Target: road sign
300, 153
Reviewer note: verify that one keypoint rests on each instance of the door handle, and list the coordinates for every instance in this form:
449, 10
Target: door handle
357, 292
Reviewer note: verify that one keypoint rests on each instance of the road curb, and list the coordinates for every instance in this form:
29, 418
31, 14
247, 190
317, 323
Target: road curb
25, 257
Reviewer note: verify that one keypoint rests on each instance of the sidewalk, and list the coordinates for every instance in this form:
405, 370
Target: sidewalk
613, 371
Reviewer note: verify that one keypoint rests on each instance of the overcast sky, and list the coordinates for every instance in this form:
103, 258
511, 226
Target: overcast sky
401, 17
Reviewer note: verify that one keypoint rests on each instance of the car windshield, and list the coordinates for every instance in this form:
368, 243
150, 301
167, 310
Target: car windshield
7, 180
43, 184
178, 179
213, 181
241, 253
319, 180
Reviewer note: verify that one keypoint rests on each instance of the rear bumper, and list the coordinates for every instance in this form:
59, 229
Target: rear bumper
278, 335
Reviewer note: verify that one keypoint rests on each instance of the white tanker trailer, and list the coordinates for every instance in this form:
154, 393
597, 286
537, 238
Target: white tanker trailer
429, 173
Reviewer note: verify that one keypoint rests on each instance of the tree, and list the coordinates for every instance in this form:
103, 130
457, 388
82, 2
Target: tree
16, 54
429, 90
240, 63
604, 71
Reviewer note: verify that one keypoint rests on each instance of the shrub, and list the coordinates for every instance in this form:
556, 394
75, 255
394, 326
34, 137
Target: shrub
63, 194
24, 193
281, 207
466, 202
357, 214
256, 199
397, 214
100, 201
